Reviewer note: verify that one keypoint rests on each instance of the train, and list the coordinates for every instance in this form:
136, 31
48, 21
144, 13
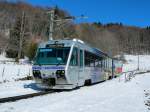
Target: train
72, 63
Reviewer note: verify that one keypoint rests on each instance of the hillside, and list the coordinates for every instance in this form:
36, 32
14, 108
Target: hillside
113, 38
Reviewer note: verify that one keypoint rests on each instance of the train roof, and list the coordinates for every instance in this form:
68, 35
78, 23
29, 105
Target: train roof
76, 42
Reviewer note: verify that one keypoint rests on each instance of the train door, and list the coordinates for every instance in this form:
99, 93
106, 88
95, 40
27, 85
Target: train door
81, 74
73, 70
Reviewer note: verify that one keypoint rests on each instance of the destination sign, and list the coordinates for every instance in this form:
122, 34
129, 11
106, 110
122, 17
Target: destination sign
54, 45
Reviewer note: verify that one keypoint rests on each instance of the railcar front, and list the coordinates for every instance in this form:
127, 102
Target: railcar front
50, 68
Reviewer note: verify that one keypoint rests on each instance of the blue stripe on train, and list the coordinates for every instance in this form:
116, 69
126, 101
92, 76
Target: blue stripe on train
48, 68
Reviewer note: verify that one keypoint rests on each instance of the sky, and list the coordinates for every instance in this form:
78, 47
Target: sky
128, 12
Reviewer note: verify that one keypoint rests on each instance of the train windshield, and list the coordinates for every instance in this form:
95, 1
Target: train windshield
52, 56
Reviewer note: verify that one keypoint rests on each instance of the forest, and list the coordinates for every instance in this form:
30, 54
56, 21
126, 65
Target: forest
22, 22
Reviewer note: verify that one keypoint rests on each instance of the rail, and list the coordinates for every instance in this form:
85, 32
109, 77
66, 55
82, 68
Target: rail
15, 98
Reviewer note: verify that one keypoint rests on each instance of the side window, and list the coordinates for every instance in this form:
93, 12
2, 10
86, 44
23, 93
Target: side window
91, 59
81, 58
104, 64
74, 57
87, 59
97, 63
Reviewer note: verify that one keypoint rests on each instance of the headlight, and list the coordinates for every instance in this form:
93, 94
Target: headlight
63, 72
37, 74
60, 73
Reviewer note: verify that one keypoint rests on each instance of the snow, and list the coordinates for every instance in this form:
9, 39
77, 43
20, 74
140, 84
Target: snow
110, 96
132, 62
3, 58
17, 88
9, 70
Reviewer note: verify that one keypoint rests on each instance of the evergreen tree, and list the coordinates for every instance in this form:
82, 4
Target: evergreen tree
31, 50
14, 39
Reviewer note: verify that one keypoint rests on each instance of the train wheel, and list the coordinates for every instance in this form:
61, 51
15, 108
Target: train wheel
110, 77
88, 82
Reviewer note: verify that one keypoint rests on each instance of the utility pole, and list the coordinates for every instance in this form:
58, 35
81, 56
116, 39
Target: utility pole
139, 46
138, 62
51, 25
21, 35
52, 20
138, 66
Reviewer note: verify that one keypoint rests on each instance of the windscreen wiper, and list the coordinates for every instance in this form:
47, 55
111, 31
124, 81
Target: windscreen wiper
58, 63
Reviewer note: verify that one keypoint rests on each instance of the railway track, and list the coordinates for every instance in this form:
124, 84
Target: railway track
15, 98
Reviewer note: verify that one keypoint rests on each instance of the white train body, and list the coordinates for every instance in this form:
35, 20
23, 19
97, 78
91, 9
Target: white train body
67, 64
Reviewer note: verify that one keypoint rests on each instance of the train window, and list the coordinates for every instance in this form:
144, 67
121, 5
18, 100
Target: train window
74, 57
92, 60
87, 59
91, 64
101, 63
81, 57
41, 55
65, 55
106, 64
98, 61
51, 54
97, 64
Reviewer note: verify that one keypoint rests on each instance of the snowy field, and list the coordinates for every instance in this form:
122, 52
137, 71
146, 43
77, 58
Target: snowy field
115, 95
17, 88
11, 71
110, 96
132, 62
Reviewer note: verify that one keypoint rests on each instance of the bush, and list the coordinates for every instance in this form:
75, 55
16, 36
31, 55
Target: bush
11, 53
31, 50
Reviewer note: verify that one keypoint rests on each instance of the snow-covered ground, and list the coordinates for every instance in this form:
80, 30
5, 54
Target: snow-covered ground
17, 88
132, 62
3, 58
11, 71
110, 96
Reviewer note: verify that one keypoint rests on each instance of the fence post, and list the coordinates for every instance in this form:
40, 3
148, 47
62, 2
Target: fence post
119, 77
125, 77
29, 71
130, 74
18, 72
3, 73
